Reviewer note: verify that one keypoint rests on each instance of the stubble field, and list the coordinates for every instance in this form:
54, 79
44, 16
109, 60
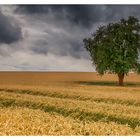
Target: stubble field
61, 103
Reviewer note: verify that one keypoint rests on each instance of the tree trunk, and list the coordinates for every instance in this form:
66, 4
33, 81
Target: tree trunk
121, 77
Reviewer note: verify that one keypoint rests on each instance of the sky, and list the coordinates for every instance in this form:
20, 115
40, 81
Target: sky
50, 37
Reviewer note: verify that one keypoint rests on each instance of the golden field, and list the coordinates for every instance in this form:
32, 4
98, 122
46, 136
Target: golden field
68, 103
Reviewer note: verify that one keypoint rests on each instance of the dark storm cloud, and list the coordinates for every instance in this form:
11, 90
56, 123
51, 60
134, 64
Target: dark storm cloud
33, 9
83, 15
10, 31
115, 12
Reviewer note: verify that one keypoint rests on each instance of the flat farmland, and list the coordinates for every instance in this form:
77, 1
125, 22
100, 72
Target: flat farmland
68, 103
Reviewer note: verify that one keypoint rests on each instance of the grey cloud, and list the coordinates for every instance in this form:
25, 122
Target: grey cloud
40, 47
54, 33
10, 31
66, 43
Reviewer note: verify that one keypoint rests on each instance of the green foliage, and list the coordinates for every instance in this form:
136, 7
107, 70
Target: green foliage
115, 48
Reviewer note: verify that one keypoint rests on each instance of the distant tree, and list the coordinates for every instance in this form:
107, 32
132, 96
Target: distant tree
115, 48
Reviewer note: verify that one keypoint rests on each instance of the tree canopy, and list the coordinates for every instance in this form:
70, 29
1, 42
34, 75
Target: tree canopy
115, 48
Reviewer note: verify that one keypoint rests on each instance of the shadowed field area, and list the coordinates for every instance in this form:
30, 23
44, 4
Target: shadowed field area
107, 83
68, 103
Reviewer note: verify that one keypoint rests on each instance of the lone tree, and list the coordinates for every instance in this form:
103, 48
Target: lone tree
115, 48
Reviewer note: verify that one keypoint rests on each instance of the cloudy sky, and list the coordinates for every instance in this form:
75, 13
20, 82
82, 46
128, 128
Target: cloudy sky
50, 37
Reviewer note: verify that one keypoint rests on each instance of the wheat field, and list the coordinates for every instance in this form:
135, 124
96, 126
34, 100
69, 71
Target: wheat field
68, 103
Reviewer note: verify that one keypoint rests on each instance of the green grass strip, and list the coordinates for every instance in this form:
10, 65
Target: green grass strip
74, 113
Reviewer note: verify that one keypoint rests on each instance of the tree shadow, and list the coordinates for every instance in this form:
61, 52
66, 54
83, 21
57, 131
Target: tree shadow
107, 83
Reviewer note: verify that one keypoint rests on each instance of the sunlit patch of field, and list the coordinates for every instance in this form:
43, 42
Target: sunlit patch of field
39, 103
